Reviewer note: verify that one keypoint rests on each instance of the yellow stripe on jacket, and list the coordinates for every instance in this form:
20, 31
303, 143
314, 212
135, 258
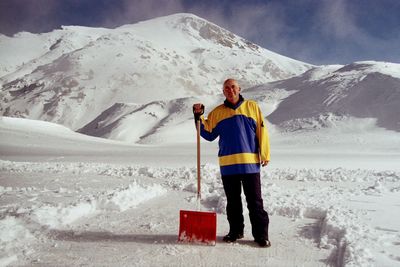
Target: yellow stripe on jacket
240, 158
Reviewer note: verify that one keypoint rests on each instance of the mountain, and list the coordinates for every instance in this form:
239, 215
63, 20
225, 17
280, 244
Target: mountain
326, 94
72, 75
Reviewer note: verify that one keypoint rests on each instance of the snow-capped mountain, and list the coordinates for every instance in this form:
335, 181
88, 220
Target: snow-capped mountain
72, 75
326, 94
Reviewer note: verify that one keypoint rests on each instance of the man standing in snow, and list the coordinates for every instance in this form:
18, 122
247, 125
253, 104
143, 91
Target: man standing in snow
243, 147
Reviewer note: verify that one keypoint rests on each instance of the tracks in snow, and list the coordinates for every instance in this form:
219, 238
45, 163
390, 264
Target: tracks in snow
310, 222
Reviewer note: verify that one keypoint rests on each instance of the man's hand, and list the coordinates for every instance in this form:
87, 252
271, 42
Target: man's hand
264, 163
198, 110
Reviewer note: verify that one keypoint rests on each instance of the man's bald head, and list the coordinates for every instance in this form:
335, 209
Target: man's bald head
230, 80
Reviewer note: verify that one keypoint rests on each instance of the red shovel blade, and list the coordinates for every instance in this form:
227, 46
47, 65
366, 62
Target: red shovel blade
198, 227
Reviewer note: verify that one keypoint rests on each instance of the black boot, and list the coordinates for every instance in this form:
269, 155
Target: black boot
263, 243
229, 238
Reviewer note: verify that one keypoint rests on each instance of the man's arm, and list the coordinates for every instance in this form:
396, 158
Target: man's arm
263, 138
206, 130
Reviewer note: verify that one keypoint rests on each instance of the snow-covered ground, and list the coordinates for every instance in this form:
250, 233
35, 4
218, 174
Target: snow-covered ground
333, 196
332, 188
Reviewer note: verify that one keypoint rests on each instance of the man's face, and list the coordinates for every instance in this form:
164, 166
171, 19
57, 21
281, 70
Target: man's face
231, 91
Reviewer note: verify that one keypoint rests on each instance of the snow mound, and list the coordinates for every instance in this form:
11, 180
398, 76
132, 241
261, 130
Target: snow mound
56, 216
130, 197
120, 199
15, 240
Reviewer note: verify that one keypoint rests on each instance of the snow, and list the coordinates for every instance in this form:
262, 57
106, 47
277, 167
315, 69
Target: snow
368, 90
366, 67
101, 177
97, 209
14, 239
18, 61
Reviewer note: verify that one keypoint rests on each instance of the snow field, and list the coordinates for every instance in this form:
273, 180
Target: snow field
36, 203
323, 195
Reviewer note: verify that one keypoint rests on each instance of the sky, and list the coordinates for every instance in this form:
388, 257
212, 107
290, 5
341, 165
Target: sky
314, 31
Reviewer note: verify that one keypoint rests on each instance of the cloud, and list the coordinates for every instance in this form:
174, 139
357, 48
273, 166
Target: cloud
319, 32
20, 15
128, 11
334, 19
247, 19
339, 26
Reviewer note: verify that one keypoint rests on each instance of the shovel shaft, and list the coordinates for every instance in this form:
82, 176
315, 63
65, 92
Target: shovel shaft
198, 160
197, 226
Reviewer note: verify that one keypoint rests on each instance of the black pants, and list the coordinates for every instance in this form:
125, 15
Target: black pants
252, 189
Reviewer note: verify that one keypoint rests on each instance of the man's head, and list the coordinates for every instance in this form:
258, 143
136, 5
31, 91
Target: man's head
231, 90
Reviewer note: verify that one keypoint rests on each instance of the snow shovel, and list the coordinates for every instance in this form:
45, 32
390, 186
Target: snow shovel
198, 227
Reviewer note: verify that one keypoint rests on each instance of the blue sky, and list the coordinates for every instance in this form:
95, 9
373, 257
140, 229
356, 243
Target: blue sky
314, 31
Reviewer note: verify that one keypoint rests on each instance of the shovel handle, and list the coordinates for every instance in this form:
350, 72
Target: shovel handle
198, 160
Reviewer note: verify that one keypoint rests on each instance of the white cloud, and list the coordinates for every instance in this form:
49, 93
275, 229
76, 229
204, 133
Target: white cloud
131, 11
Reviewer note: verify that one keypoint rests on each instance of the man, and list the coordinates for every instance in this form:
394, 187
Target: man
243, 147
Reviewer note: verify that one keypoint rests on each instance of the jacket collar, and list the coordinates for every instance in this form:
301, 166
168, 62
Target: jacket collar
232, 106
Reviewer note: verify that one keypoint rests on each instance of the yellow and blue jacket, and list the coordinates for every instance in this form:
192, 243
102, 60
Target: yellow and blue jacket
243, 136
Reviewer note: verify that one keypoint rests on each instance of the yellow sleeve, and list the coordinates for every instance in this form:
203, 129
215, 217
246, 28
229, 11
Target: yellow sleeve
207, 126
262, 136
213, 118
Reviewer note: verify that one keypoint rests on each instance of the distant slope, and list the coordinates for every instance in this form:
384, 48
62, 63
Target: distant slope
74, 74
328, 93
24, 52
154, 122
25, 135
